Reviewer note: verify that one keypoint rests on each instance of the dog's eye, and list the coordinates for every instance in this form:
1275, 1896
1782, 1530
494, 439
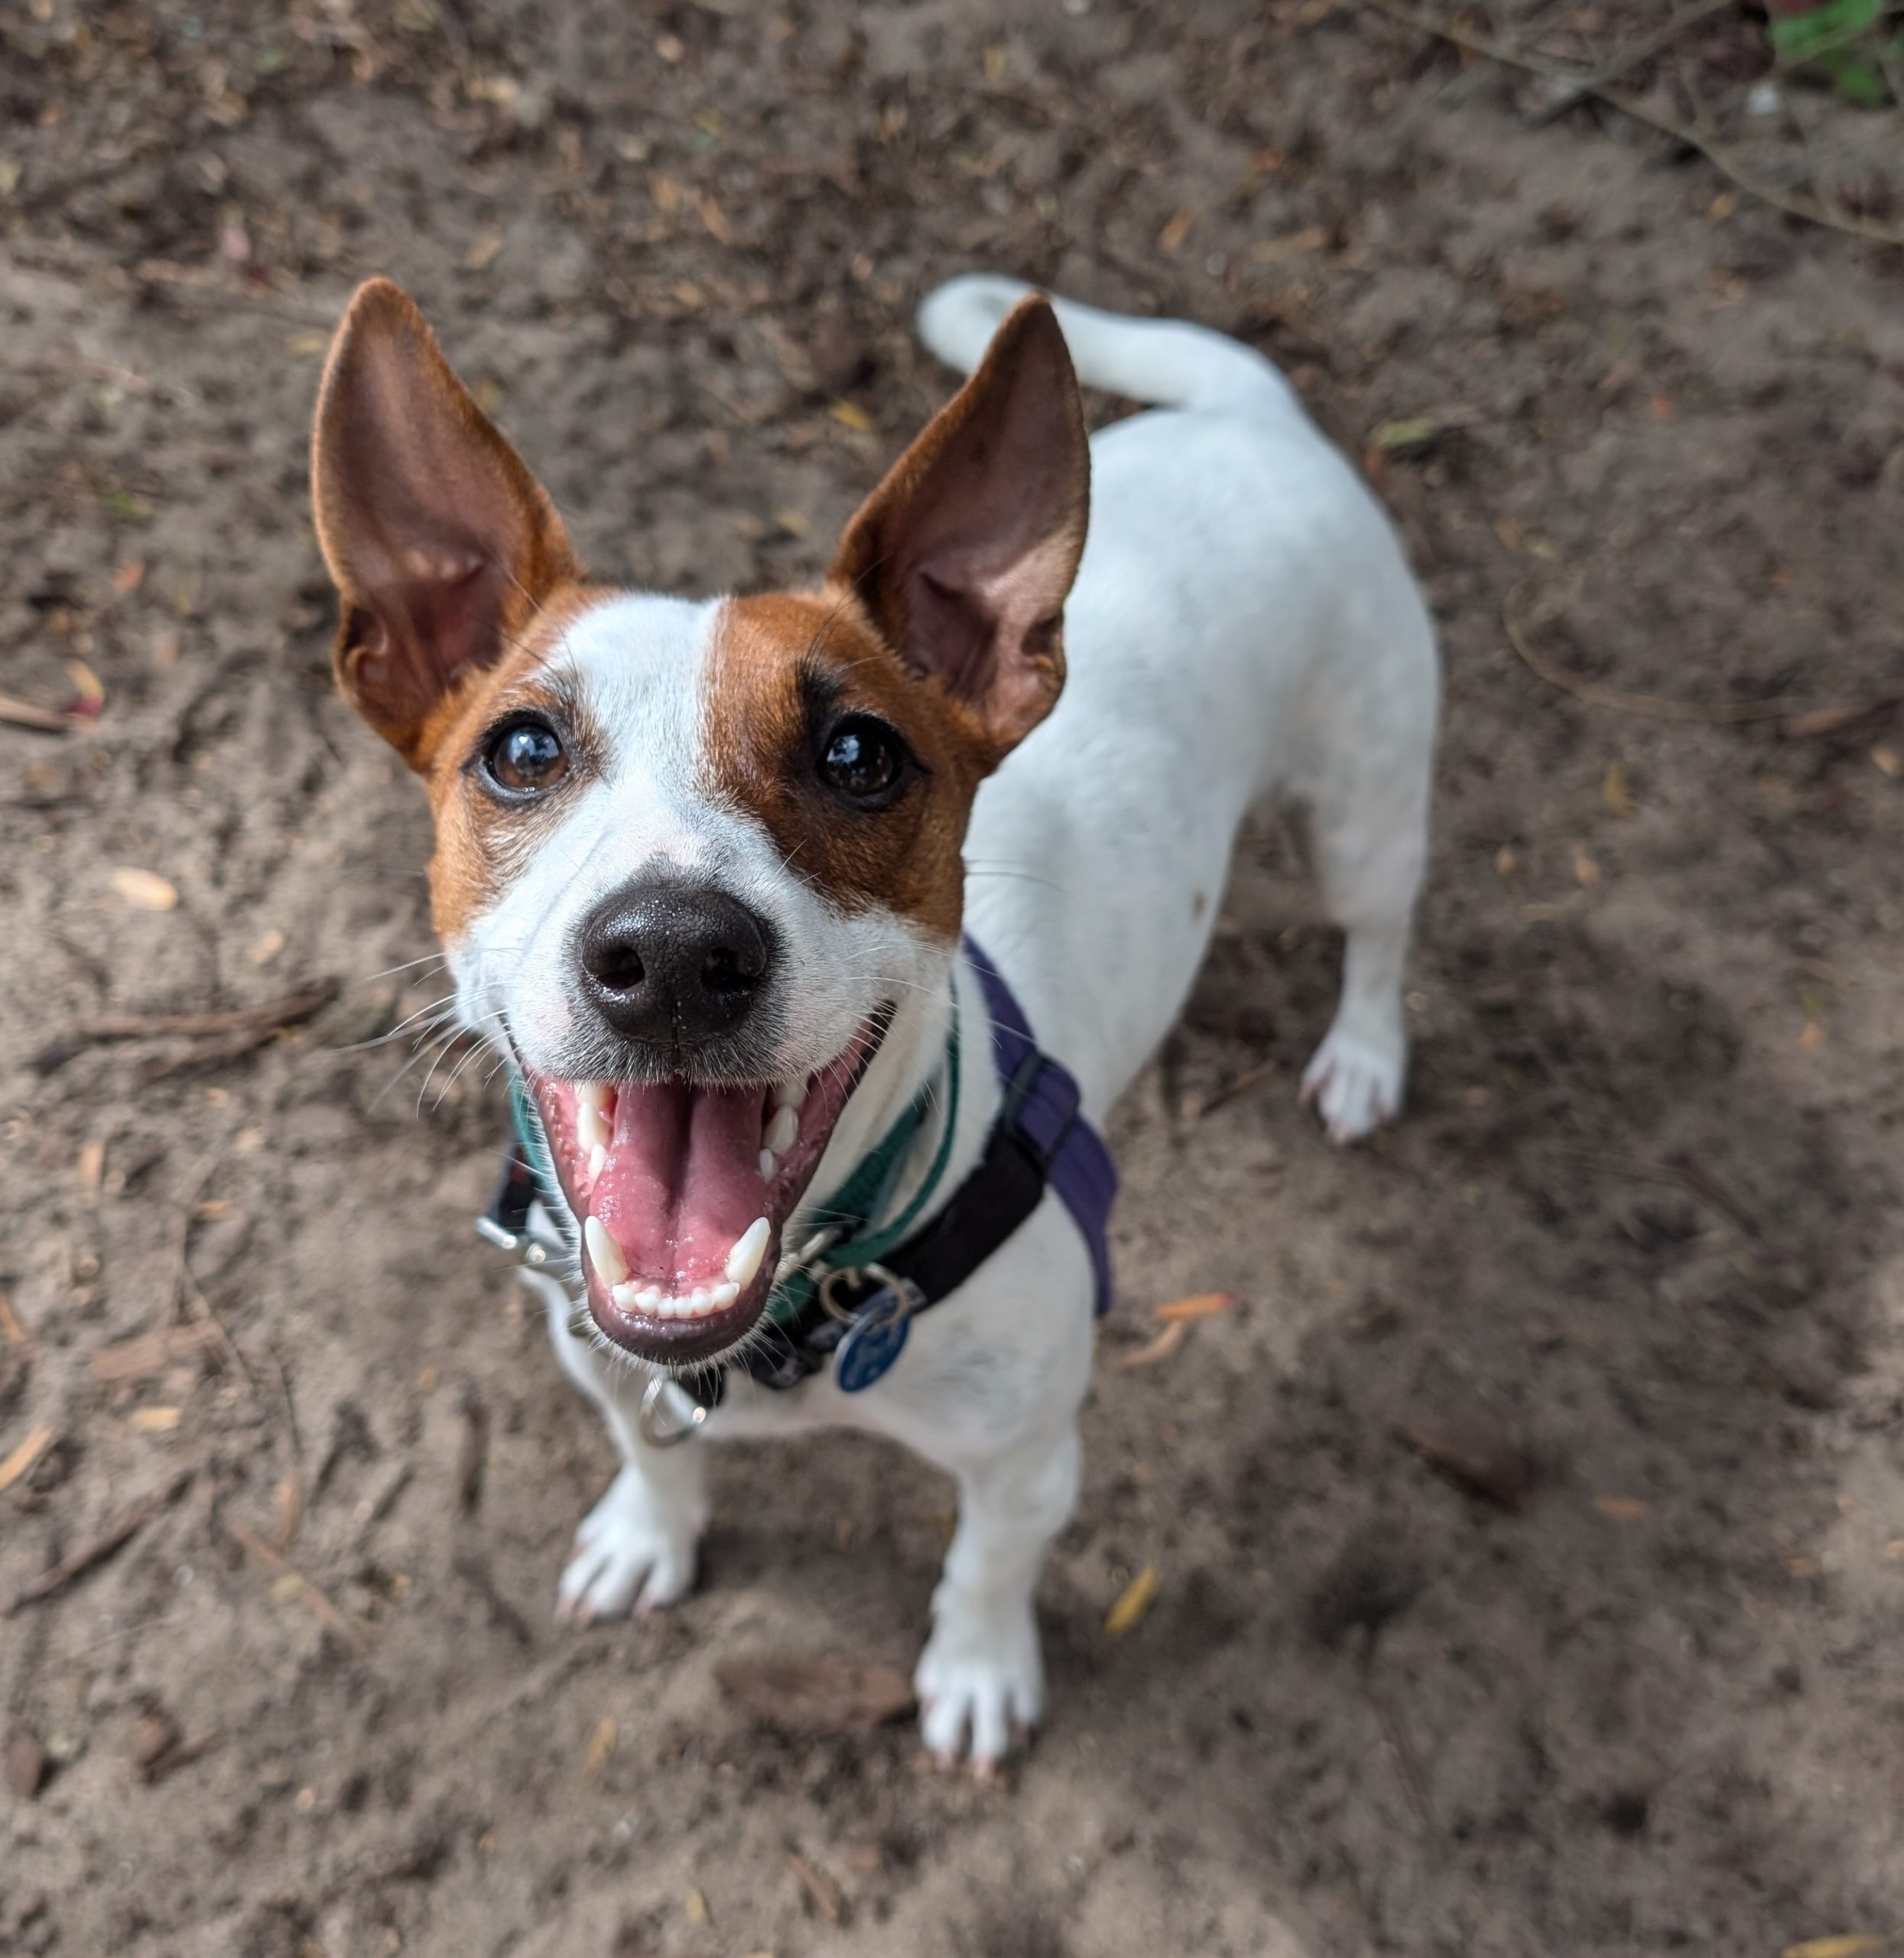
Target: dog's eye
864, 759
525, 757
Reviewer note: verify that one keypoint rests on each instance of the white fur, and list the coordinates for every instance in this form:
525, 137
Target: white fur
1243, 624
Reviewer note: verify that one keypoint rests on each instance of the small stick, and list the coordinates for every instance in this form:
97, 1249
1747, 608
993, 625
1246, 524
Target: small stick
1793, 204
347, 1629
261, 1022
1719, 713
17, 712
1240, 1085
101, 1547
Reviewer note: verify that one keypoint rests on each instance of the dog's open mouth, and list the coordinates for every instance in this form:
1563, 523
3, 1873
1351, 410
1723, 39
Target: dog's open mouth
683, 1191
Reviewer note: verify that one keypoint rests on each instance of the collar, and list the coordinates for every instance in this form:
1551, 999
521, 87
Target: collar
849, 1296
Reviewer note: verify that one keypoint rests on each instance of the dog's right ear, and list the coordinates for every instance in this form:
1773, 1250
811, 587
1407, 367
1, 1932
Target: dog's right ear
441, 543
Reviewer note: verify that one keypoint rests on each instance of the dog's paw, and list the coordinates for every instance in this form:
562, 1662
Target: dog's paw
630, 1554
1354, 1083
981, 1685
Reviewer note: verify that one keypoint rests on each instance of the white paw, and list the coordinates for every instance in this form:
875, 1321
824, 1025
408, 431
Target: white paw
1355, 1084
631, 1554
980, 1682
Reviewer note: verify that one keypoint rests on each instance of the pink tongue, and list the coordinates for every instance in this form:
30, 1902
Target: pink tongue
682, 1180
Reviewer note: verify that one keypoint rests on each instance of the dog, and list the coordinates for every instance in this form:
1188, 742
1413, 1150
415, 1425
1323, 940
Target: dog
759, 897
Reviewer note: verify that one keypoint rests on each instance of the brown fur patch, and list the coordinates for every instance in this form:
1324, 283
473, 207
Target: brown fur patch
481, 843
773, 659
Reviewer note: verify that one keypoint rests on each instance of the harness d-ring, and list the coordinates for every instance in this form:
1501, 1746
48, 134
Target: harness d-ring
901, 1289
648, 1420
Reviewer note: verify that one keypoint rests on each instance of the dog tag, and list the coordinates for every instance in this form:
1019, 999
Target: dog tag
875, 1339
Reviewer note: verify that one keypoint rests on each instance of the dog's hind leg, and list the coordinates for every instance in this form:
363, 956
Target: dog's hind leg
635, 1550
1369, 837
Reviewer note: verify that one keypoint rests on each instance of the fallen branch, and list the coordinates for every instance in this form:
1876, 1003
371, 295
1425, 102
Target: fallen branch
101, 1547
242, 1028
1793, 204
1654, 707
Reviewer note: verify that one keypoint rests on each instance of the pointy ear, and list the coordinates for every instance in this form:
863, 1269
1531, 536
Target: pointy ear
441, 543
964, 555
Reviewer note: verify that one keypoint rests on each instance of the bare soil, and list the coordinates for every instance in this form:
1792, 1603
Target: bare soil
1531, 1538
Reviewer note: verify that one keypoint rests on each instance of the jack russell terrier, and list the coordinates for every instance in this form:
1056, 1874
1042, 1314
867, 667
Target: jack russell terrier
701, 874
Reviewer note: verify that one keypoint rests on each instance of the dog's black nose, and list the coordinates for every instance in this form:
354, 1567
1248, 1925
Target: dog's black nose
673, 964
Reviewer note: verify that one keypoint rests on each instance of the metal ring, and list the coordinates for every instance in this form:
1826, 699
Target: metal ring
893, 1283
648, 1421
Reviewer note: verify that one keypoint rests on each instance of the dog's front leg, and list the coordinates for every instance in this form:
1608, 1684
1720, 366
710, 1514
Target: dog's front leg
980, 1680
635, 1549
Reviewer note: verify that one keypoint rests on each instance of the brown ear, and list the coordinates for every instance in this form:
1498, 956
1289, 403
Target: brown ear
964, 555
441, 543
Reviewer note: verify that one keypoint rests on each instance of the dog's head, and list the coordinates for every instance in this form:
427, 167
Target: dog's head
694, 862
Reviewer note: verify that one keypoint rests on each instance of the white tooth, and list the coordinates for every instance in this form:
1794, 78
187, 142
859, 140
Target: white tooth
628, 1296
749, 1248
790, 1094
592, 1094
781, 1131
719, 1297
604, 1253
597, 1161
592, 1130
769, 1165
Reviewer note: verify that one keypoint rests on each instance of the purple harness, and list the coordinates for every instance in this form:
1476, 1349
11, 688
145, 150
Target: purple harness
1041, 1101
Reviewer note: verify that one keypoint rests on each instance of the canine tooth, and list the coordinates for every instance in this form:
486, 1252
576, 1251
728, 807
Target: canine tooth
604, 1253
781, 1131
592, 1094
592, 1129
769, 1165
790, 1094
597, 1161
749, 1248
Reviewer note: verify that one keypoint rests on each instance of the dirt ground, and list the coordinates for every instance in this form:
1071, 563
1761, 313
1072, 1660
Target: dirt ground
1530, 1539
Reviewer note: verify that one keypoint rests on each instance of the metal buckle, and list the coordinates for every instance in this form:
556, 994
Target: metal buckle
649, 1420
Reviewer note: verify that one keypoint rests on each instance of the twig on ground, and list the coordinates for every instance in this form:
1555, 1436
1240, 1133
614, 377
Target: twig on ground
1793, 204
102, 1546
1630, 58
242, 1030
1654, 707
1240, 1085
348, 1629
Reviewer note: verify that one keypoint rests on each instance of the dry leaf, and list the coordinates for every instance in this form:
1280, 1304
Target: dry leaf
268, 947
157, 1420
1619, 796
601, 1745
1137, 1597
823, 1895
1476, 1450
696, 1907
1201, 1304
1586, 871
11, 1329
129, 577
1268, 250
1852, 1944
147, 1353
850, 414
89, 690
144, 890
301, 346
1622, 1509
21, 1462
1889, 760
91, 1163
1159, 1349
1173, 233
483, 251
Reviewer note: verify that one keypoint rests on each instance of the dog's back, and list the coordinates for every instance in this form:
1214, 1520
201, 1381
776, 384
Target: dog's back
1243, 623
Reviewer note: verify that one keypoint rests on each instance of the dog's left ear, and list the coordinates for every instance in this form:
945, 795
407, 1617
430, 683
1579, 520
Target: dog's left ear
964, 555
441, 542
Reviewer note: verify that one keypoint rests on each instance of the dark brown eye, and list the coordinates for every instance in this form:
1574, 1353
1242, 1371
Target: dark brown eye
865, 760
525, 757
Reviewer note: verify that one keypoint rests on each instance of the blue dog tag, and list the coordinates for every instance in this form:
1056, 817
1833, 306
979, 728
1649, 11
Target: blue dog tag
875, 1339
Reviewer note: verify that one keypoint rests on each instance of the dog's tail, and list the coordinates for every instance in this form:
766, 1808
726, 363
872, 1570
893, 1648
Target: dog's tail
1166, 362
